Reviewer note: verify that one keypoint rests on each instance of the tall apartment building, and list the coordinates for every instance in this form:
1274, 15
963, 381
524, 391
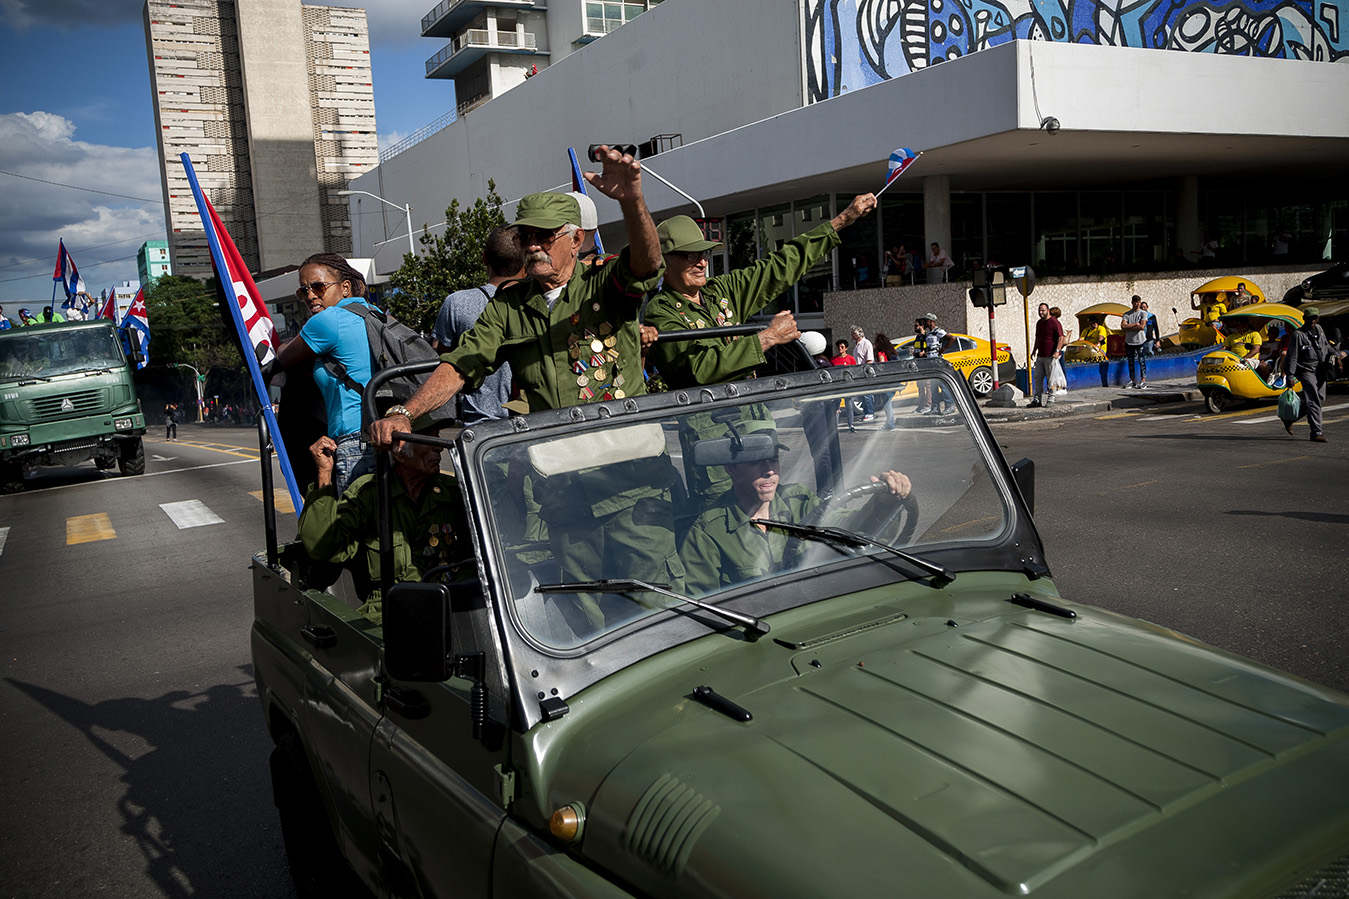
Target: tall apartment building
494, 46
273, 102
152, 260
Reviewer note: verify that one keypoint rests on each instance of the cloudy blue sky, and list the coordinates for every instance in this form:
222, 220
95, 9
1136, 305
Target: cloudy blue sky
78, 159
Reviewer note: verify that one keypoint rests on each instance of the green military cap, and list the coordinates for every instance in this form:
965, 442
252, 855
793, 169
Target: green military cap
681, 234
548, 210
1311, 312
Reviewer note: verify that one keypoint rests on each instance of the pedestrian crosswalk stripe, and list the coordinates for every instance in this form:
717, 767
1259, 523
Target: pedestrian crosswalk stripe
190, 513
4, 535
88, 528
281, 498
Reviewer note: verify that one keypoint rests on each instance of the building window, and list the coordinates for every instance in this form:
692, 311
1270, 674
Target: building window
602, 18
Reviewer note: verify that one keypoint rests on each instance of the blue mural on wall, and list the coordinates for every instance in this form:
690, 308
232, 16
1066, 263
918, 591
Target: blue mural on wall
854, 43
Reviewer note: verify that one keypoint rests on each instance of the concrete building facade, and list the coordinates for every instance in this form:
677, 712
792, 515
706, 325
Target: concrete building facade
1095, 142
274, 103
152, 260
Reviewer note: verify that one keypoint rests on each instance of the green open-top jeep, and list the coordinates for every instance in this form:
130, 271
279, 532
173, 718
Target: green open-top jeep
872, 688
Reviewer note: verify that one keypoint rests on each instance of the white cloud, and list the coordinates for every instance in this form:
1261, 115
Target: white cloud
388, 139
40, 151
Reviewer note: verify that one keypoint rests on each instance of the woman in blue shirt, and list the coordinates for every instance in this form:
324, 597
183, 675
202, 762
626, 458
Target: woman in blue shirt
334, 335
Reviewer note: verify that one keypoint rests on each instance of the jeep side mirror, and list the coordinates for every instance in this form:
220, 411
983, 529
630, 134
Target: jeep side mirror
416, 632
1023, 473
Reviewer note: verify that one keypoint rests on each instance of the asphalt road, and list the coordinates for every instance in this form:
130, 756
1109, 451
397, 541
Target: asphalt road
135, 745
135, 749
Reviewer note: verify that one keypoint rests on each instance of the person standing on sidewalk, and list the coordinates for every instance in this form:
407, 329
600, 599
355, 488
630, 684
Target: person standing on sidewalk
1135, 338
1048, 346
865, 354
1309, 360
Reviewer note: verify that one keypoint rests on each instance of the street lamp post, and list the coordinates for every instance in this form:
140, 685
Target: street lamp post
407, 210
198, 380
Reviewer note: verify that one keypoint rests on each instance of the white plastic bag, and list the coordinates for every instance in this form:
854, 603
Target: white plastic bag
1057, 379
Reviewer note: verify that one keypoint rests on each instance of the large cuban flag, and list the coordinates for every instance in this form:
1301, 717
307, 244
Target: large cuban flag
251, 319
136, 324
66, 272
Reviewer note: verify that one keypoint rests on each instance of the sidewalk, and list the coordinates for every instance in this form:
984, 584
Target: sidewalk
1095, 400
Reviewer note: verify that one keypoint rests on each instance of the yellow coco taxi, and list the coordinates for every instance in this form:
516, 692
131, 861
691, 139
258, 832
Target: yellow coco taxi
1098, 336
1211, 299
969, 356
1224, 377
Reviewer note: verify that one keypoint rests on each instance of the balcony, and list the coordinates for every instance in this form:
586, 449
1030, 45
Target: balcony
451, 16
472, 45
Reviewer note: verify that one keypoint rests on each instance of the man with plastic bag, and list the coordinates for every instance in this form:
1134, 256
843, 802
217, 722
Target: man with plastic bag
1310, 358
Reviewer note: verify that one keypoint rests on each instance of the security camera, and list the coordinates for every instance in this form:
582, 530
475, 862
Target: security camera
1050, 124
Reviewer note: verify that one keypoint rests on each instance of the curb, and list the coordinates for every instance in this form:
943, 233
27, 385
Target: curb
1062, 409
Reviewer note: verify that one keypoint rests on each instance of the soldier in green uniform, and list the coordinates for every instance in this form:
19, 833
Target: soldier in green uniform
723, 549
690, 299
429, 524
571, 336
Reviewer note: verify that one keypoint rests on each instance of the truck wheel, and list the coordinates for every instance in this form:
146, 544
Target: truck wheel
11, 477
131, 460
316, 864
981, 381
103, 463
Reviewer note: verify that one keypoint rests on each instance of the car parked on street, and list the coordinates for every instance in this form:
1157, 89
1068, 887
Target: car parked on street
970, 356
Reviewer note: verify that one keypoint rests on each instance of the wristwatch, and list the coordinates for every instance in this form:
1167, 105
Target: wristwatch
399, 410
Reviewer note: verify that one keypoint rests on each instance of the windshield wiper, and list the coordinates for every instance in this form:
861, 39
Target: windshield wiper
31, 379
627, 585
840, 537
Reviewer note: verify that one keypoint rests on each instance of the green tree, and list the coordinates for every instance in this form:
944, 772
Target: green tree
448, 262
186, 327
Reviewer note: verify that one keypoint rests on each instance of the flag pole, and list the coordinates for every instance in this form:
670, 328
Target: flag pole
580, 184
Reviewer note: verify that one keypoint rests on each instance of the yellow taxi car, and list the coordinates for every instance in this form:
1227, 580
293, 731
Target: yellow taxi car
970, 357
1223, 377
1083, 350
1211, 299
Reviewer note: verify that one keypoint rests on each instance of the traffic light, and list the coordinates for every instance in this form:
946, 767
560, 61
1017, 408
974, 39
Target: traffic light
628, 149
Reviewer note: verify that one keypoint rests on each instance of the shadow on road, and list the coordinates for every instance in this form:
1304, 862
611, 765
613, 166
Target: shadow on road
197, 800
1320, 517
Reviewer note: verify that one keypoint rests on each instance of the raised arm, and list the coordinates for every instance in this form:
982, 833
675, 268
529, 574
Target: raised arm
621, 179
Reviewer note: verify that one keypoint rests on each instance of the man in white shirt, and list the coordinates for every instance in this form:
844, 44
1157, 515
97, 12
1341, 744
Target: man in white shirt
865, 354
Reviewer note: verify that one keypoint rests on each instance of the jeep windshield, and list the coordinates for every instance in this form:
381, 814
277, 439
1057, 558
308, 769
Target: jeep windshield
663, 493
58, 351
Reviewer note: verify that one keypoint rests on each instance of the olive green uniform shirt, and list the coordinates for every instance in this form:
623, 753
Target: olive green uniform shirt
729, 300
586, 348
426, 534
723, 549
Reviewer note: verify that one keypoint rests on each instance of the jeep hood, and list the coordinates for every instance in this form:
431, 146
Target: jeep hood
1019, 755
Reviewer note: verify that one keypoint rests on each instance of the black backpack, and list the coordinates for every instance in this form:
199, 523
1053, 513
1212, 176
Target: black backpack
391, 343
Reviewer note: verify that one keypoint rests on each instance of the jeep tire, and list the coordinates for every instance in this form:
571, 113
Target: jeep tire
317, 867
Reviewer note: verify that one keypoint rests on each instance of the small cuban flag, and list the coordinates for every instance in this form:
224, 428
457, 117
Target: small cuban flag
900, 160
136, 324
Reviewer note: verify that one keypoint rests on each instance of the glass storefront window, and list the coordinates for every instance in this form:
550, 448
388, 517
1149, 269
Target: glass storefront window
819, 280
858, 255
1008, 228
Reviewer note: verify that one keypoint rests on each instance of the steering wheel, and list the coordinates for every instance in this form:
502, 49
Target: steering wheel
906, 506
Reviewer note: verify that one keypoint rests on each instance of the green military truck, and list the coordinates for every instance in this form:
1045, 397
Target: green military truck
66, 397
876, 690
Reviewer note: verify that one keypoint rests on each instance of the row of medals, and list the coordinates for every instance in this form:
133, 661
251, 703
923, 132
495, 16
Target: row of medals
594, 358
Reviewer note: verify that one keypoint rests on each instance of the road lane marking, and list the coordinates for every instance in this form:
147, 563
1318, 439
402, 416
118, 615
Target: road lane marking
1275, 462
281, 498
226, 448
88, 528
4, 535
190, 513
1276, 418
1125, 487
119, 479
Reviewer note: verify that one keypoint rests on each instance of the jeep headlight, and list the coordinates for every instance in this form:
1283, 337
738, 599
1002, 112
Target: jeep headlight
19, 440
122, 424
